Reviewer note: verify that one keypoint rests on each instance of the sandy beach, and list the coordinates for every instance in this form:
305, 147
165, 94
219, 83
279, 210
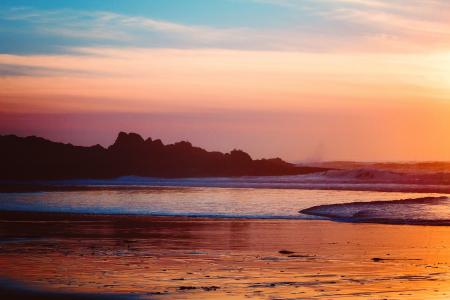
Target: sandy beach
192, 258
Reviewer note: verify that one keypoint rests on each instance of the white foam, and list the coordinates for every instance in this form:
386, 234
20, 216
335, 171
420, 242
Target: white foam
359, 179
425, 211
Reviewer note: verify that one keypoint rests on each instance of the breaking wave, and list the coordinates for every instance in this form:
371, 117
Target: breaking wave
418, 211
384, 176
356, 179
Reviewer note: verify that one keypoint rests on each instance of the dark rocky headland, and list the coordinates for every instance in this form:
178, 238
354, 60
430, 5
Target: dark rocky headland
27, 158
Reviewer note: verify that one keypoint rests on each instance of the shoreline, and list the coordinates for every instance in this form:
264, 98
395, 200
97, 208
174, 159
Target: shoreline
55, 216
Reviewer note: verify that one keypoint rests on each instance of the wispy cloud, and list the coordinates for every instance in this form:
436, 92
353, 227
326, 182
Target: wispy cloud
338, 25
106, 25
110, 29
420, 25
9, 70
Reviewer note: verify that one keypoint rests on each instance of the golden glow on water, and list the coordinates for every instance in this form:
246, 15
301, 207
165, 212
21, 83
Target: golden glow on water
211, 259
204, 201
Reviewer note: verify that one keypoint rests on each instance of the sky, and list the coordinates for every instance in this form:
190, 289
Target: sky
305, 80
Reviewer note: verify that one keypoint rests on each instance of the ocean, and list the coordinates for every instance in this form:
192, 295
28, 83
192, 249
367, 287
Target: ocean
387, 197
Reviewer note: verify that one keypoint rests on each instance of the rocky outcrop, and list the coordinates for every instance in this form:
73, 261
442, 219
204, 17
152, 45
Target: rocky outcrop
37, 158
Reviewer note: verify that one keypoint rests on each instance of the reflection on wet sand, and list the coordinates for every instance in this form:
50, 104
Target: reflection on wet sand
181, 258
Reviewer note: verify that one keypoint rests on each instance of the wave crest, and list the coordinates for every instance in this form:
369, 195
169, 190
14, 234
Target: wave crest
420, 211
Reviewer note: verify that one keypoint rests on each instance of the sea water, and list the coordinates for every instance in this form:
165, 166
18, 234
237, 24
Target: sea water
211, 202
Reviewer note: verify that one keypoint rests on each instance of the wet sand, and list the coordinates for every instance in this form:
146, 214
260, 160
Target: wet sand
193, 258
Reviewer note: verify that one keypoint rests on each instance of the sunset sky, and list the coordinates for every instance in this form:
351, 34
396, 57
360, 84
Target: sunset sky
304, 80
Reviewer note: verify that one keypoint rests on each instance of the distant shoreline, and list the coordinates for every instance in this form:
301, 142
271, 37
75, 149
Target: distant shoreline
27, 187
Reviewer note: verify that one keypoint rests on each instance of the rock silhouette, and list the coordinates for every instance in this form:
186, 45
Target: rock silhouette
25, 158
